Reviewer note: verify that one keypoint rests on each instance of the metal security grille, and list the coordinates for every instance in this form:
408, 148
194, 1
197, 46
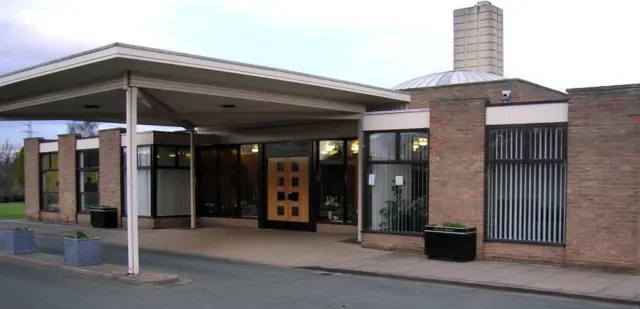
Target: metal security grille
526, 183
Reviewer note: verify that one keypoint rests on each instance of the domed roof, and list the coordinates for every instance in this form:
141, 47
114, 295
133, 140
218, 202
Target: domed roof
448, 78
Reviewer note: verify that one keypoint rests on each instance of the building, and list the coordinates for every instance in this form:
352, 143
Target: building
545, 176
477, 38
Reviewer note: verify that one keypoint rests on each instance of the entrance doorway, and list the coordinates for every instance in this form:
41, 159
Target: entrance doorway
288, 191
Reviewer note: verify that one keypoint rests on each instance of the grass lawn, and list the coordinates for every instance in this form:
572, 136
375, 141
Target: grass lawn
12, 211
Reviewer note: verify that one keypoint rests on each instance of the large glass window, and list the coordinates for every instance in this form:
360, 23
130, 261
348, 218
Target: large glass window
249, 181
337, 172
88, 162
49, 183
144, 180
397, 182
526, 184
173, 181
228, 181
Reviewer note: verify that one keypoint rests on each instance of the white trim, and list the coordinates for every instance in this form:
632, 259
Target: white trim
48, 147
153, 83
143, 139
530, 113
87, 143
63, 95
162, 56
397, 120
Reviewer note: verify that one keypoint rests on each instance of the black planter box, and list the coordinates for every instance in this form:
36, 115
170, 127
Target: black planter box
450, 243
104, 217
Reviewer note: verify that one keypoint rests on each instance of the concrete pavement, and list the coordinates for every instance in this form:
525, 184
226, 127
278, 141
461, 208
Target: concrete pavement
218, 283
331, 253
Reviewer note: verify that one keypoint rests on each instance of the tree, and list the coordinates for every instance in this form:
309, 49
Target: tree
83, 128
8, 156
19, 168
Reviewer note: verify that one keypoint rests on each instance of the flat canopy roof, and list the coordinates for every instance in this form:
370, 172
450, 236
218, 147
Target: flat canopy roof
179, 89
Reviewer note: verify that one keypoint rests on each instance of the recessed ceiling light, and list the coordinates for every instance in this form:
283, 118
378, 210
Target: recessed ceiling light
91, 106
228, 106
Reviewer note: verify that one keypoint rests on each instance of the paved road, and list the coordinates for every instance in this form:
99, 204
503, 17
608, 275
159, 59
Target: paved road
225, 284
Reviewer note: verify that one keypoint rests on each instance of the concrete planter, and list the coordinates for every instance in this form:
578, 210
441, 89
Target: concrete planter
19, 241
82, 251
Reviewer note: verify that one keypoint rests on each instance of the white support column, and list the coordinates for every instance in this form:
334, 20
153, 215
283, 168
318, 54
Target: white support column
360, 176
192, 170
132, 181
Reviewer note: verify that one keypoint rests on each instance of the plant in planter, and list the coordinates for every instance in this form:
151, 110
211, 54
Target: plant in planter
82, 250
104, 217
19, 241
331, 203
401, 214
450, 241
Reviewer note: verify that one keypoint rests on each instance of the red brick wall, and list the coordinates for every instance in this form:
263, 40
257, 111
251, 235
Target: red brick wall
111, 168
554, 255
32, 178
521, 91
67, 177
456, 164
232, 222
390, 242
603, 215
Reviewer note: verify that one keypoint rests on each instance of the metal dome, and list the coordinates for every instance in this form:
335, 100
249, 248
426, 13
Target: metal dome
448, 78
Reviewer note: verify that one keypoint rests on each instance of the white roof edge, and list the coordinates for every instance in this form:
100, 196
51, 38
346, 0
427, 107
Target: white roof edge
116, 50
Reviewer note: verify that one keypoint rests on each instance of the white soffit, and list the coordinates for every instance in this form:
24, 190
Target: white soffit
500, 114
49, 147
144, 138
396, 120
88, 143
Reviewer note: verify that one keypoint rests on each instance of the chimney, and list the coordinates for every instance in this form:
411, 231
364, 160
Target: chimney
477, 38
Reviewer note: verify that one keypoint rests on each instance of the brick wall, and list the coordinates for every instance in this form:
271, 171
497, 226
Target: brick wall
390, 242
32, 178
510, 252
603, 215
67, 177
232, 222
456, 164
521, 91
111, 168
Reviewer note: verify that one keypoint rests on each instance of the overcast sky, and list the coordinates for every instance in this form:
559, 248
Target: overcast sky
559, 44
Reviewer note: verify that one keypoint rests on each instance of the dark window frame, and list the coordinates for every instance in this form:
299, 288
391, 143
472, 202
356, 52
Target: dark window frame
176, 160
43, 171
79, 170
344, 162
525, 159
368, 162
239, 180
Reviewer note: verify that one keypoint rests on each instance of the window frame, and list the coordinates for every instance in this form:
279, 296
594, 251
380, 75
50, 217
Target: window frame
123, 178
366, 188
42, 172
79, 170
176, 160
525, 159
344, 162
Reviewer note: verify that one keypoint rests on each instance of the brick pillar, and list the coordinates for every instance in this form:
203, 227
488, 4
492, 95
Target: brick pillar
67, 177
603, 177
32, 178
456, 164
111, 169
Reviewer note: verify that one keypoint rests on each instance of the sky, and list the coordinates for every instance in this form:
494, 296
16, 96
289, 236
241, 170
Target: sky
558, 44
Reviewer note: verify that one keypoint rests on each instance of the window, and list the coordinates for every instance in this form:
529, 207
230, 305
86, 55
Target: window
332, 173
397, 182
173, 181
88, 164
228, 181
49, 181
144, 180
526, 183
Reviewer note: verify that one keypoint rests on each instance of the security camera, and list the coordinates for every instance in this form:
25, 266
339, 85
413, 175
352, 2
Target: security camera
506, 96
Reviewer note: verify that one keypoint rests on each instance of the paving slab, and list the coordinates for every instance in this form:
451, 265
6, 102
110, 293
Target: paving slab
101, 271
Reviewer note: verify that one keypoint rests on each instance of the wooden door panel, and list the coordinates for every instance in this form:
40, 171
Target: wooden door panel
276, 188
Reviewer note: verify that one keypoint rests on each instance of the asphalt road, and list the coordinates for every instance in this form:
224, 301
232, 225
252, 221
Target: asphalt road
225, 284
